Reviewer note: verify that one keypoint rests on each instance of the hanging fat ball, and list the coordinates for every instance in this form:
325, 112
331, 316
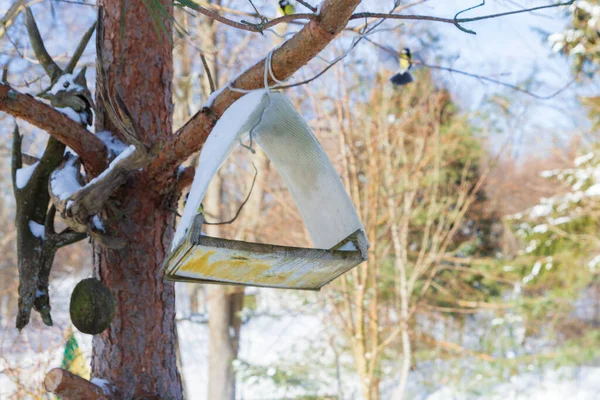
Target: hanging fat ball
286, 7
92, 307
71, 91
403, 77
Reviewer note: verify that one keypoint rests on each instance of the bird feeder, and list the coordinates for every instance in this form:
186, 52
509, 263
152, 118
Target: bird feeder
269, 120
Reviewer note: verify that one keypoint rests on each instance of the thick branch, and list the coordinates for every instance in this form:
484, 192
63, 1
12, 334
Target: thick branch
286, 60
84, 143
71, 387
51, 68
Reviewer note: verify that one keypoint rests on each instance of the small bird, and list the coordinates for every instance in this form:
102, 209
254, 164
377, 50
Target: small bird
286, 7
403, 77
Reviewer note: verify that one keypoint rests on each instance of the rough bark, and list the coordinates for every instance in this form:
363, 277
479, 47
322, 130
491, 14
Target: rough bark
137, 353
72, 387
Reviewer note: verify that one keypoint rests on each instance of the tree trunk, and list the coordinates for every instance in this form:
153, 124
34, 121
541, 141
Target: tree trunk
224, 305
222, 311
137, 353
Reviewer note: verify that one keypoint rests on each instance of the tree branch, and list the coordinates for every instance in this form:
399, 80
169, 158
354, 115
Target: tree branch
80, 49
83, 142
71, 387
78, 208
287, 59
37, 44
10, 16
250, 27
456, 21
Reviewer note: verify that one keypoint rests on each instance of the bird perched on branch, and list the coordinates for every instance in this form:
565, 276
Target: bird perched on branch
403, 77
287, 8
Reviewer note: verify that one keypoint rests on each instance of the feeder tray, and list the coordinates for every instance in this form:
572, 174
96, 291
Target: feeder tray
269, 120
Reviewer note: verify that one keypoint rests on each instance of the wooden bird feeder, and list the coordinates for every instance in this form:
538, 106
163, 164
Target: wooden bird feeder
271, 121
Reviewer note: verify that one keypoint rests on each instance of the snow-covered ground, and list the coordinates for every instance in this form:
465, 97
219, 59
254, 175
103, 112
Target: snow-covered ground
273, 341
580, 383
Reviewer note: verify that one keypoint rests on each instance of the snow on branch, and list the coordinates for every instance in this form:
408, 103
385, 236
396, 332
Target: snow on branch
79, 204
83, 142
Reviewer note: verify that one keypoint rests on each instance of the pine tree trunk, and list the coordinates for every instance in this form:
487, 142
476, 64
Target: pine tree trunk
137, 353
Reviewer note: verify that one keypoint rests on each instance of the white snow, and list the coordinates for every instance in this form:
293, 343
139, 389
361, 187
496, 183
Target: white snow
548, 173
541, 210
583, 159
560, 220
64, 181
126, 153
97, 223
593, 190
531, 246
37, 230
216, 149
537, 267
102, 384
69, 112
24, 174
214, 95
593, 264
112, 143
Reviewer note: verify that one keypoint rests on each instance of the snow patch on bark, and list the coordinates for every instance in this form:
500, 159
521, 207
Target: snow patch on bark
37, 230
24, 174
64, 181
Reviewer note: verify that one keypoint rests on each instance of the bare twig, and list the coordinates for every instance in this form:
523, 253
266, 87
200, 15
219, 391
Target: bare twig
7, 20
237, 214
5, 75
456, 21
211, 82
37, 44
247, 26
80, 49
307, 5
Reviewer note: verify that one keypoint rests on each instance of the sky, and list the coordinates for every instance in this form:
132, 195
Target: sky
512, 49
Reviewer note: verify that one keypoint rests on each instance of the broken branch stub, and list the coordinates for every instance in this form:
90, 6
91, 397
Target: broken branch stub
78, 207
71, 387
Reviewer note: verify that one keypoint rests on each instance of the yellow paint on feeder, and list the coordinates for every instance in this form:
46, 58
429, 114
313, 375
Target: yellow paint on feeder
231, 269
207, 259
